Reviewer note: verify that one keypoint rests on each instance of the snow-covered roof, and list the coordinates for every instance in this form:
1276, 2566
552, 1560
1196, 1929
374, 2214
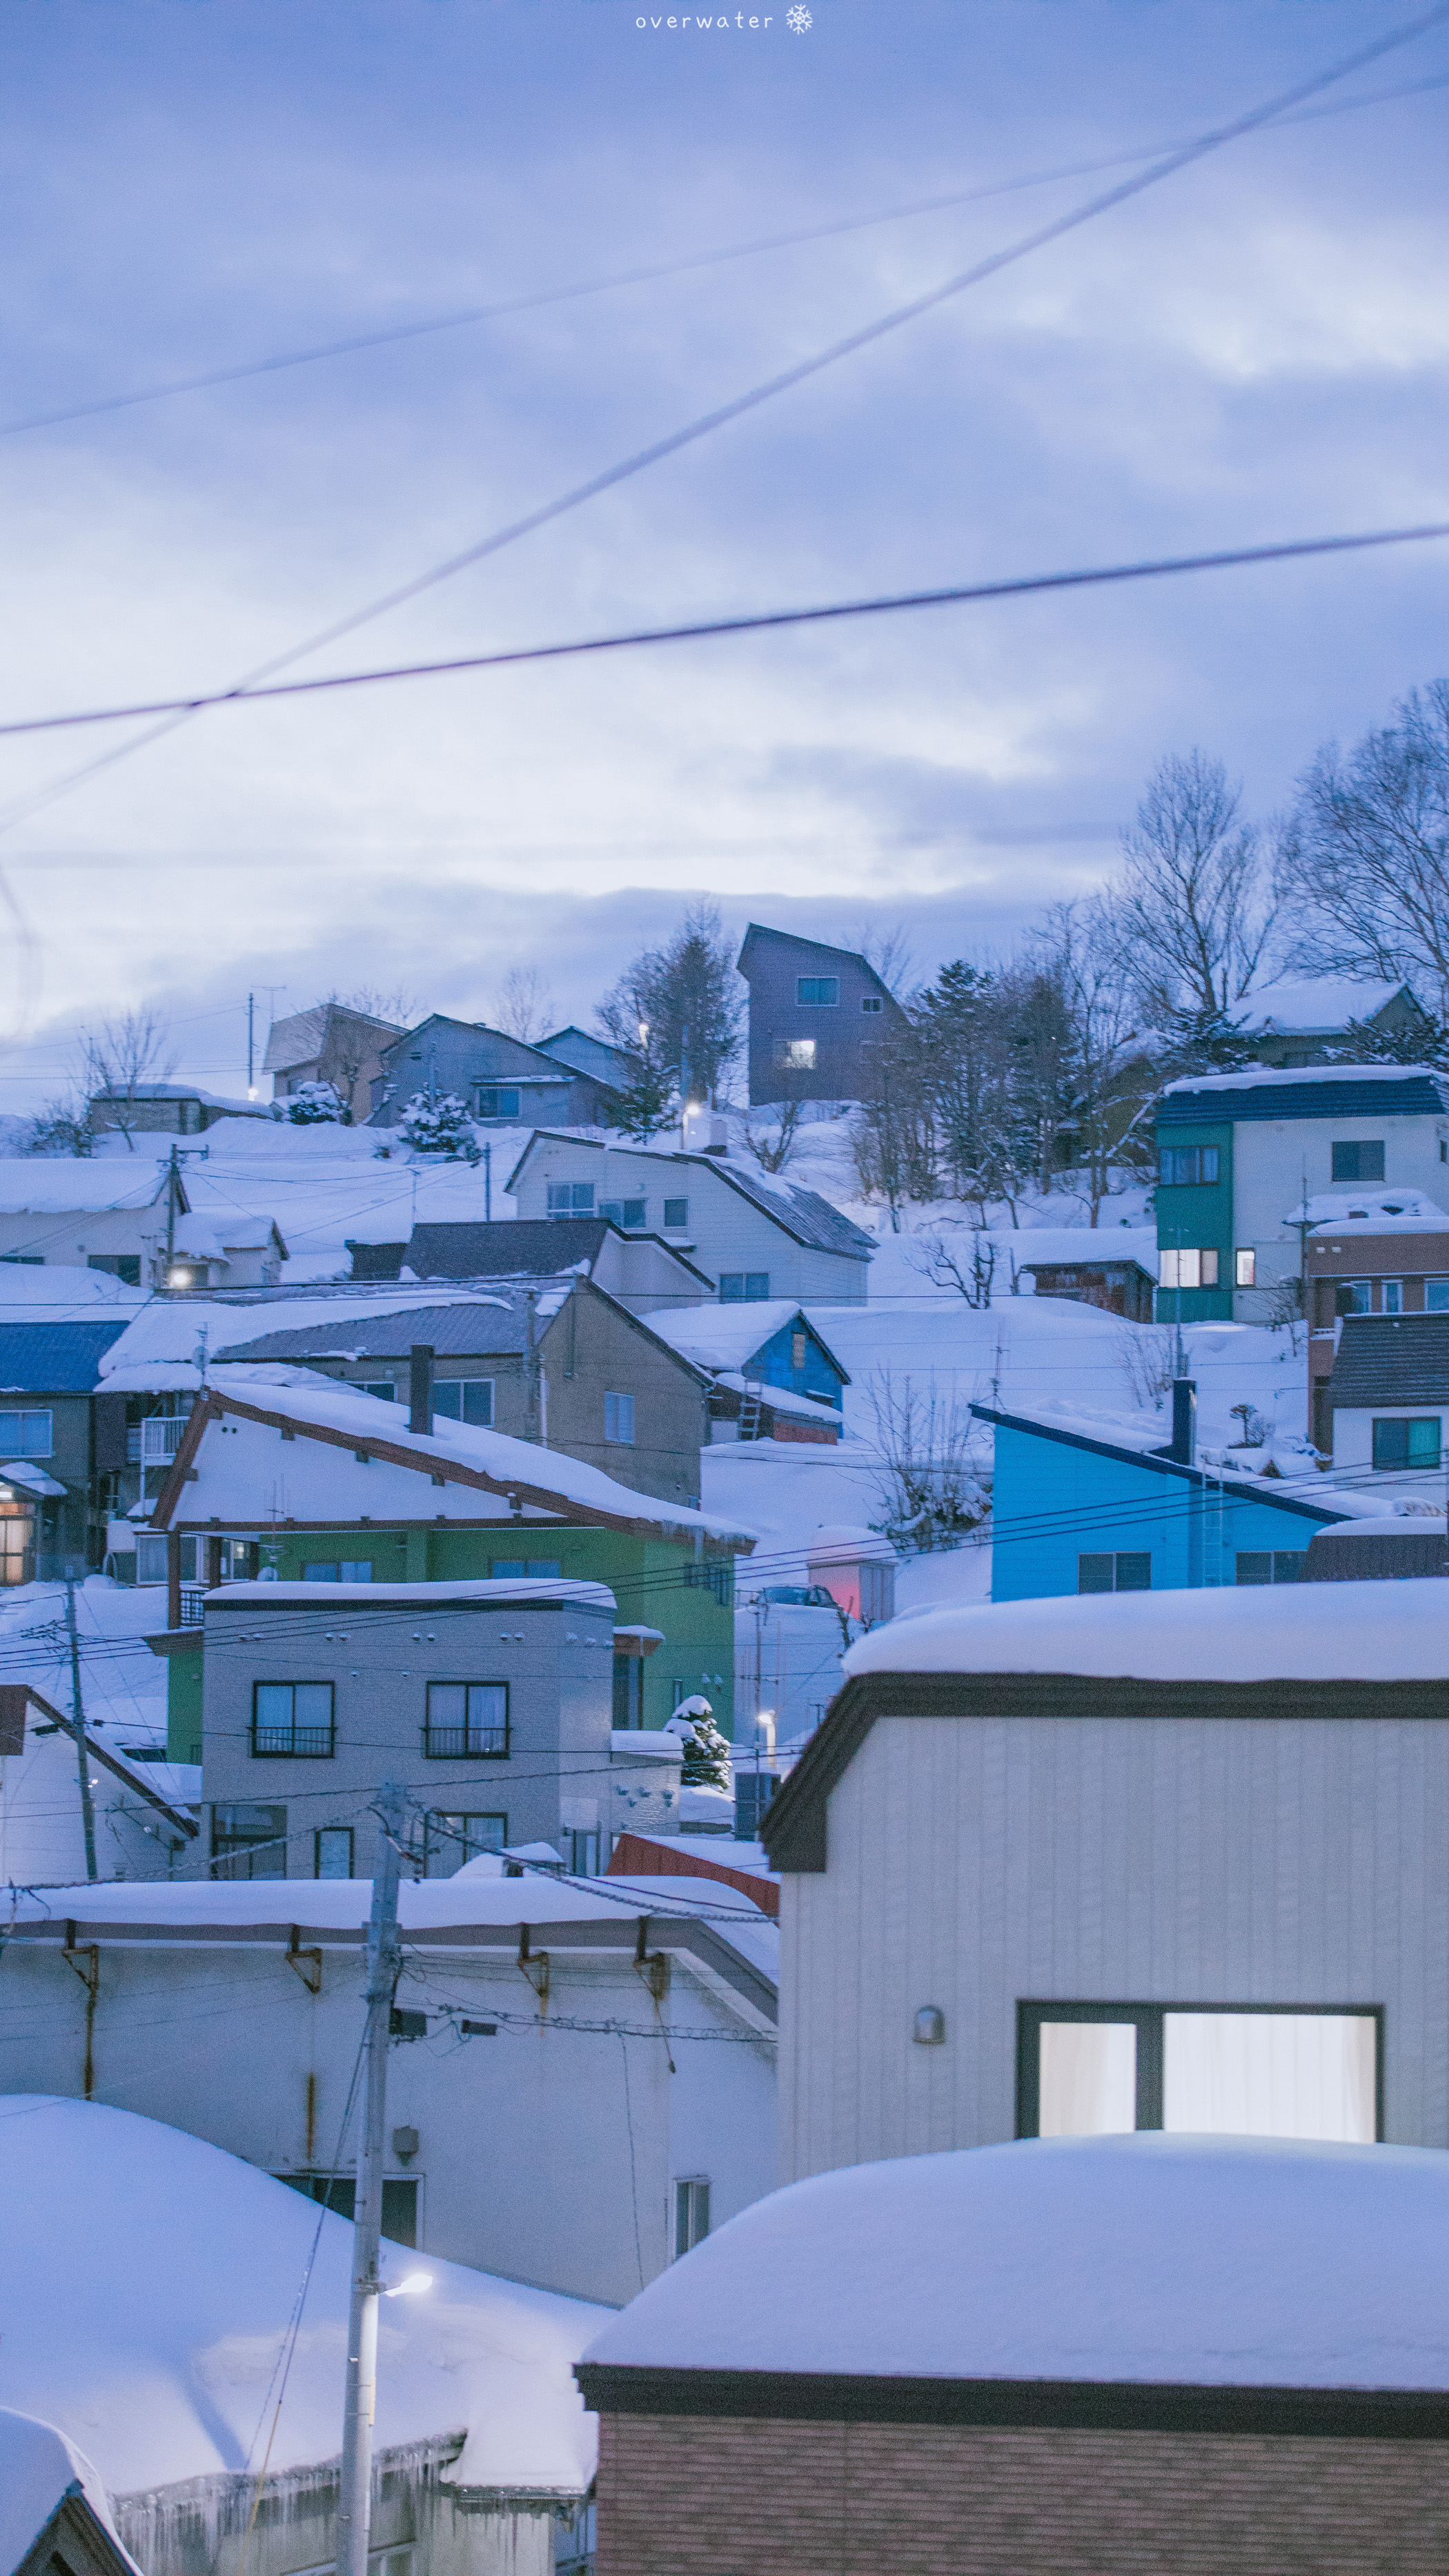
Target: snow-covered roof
87, 1185
1381, 1211
488, 1593
1280, 1076
477, 1323
781, 1399
60, 1292
1313, 1006
39, 2468
804, 1214
342, 1905
148, 2280
724, 1337
309, 1402
126, 1092
1307, 1632
1190, 2261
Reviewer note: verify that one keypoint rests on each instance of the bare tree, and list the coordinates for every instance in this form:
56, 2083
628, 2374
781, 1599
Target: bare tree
1191, 912
888, 950
1147, 1357
941, 1256
351, 1040
1101, 1069
773, 1150
684, 1003
930, 1492
1363, 861
119, 1057
525, 1007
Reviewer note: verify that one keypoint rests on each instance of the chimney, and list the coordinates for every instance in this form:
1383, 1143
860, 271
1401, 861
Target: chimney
1184, 1421
420, 1387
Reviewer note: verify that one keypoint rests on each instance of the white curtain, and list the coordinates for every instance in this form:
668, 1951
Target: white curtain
1269, 2075
1088, 2078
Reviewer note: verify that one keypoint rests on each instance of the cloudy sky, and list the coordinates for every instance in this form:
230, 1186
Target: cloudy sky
1257, 348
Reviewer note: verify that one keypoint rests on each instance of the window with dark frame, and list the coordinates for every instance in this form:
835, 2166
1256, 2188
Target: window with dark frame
451, 1838
626, 1212
248, 1842
691, 2213
619, 1417
1125, 1570
676, 1215
1188, 1166
1100, 2069
712, 1574
332, 1851
1415, 1442
1358, 1161
744, 1287
817, 992
293, 1721
1269, 1565
466, 1721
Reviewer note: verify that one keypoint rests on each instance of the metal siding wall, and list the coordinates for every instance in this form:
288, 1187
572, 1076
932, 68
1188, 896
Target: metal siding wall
974, 1863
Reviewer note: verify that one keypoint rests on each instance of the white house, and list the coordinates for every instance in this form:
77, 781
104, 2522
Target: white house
132, 1215
1149, 1860
756, 1237
584, 2082
143, 1813
1390, 1398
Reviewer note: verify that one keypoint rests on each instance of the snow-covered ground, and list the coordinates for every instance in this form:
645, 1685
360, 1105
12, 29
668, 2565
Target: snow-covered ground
123, 1684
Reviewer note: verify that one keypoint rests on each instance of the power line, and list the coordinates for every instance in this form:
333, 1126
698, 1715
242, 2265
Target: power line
392, 333
759, 622
180, 712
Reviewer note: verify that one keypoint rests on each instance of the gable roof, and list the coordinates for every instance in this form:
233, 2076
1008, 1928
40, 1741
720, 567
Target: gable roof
1244, 1488
802, 1214
757, 937
365, 1427
550, 1069
1317, 1006
585, 1054
303, 1035
1313, 1091
90, 1185
54, 1359
727, 1337
1391, 1360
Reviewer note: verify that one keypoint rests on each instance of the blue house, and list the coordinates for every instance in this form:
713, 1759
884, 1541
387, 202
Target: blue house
1075, 1514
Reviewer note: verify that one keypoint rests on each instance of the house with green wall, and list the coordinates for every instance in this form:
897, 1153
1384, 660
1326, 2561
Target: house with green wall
284, 1476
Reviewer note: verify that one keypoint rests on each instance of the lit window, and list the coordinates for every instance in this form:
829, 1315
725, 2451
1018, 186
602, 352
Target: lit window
797, 1350
1414, 1442
494, 1101
817, 992
1098, 2070
800, 1055
26, 1435
1245, 1268
1358, 1162
619, 1419
1195, 1269
676, 1215
571, 1198
691, 2214
1184, 1166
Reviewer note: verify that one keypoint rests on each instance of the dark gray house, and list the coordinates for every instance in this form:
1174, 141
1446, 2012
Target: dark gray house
641, 1270
504, 1082
552, 1360
62, 1448
816, 1015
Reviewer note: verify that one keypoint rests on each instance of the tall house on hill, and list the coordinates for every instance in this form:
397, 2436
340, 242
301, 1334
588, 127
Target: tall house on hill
1242, 1156
503, 1082
1310, 1020
816, 1016
328, 1044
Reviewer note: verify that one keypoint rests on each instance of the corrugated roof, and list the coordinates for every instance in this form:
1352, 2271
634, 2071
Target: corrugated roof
1367, 1092
479, 1328
1391, 1360
537, 1249
54, 1359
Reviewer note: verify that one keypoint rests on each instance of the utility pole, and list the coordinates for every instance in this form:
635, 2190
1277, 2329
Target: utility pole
173, 1183
384, 1959
251, 1046
535, 1408
488, 1185
78, 1723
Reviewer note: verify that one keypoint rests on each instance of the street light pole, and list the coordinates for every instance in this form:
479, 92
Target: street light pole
384, 1959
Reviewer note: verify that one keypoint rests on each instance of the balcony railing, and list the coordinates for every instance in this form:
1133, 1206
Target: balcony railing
465, 1743
154, 1443
314, 1740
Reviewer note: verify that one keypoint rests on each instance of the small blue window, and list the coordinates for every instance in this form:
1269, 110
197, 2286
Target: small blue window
676, 1215
496, 1102
623, 1211
743, 1287
818, 992
1413, 1443
571, 1198
1186, 1166
619, 1419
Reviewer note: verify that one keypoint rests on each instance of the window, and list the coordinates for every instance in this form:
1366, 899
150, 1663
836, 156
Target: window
1180, 1269
799, 1055
817, 992
1412, 1443
36, 1260
1095, 2070
1392, 1294
466, 1720
125, 1266
712, 1574
332, 1852
338, 2192
292, 1718
1183, 1166
1128, 1571
522, 1569
26, 1435
453, 1839
619, 1418
495, 1101
624, 1211
464, 1399
1353, 1297
249, 1842
1245, 1268
691, 2214
571, 1198
799, 1346
871, 1003
352, 1569
150, 1557
676, 1215
381, 1387
628, 1690
743, 1287
1358, 1162
581, 1850
1265, 1565
1436, 1296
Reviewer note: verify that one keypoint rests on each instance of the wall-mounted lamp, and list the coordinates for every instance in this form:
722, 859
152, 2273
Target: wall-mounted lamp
930, 2030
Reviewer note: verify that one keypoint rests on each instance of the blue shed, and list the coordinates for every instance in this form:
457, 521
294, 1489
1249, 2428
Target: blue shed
1075, 1514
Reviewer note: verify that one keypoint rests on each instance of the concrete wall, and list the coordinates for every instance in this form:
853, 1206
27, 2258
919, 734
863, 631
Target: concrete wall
556, 1658
976, 1863
724, 1230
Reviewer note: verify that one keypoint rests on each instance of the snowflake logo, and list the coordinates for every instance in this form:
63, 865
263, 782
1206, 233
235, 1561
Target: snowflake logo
798, 20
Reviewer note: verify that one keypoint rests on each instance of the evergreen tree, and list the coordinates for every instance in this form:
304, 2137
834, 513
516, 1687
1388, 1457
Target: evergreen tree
706, 1750
440, 1126
315, 1104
